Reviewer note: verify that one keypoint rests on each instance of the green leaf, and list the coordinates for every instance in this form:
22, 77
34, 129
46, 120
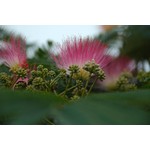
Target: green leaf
120, 108
23, 107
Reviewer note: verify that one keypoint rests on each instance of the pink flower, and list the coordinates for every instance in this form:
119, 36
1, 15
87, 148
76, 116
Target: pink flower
13, 53
80, 51
115, 69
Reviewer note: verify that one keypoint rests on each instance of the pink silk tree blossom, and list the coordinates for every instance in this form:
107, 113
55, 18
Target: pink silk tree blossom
13, 53
80, 51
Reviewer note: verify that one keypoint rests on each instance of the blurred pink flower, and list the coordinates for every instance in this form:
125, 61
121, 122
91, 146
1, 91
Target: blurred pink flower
115, 69
80, 51
13, 53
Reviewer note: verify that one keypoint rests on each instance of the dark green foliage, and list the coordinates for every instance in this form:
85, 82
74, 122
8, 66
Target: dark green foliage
110, 37
108, 109
4, 33
4, 68
22, 107
42, 56
136, 42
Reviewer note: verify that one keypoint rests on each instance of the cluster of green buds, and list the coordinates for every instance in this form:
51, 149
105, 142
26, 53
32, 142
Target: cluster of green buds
94, 70
80, 74
5, 79
14, 80
143, 79
81, 80
125, 82
19, 71
41, 79
19, 75
71, 83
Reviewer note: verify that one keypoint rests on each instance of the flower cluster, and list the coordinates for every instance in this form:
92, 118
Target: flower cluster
81, 64
86, 58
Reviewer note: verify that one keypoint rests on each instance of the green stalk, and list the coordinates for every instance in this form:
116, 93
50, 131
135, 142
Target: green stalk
86, 85
55, 79
67, 90
92, 85
15, 79
69, 81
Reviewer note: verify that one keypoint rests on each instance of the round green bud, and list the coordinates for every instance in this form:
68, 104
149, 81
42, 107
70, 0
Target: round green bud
52, 74
40, 67
45, 71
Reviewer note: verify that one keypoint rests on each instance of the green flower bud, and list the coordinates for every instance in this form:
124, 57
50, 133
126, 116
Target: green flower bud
39, 73
22, 72
100, 74
92, 67
33, 73
40, 67
79, 83
52, 74
37, 81
73, 69
62, 73
45, 71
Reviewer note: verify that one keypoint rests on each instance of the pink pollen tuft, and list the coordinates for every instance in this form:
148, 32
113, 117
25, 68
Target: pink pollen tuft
80, 51
13, 53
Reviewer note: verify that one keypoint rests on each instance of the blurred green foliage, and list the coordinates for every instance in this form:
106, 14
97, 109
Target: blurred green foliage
23, 107
118, 108
42, 56
135, 40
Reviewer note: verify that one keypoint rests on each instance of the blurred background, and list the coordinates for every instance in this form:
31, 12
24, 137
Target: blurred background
40, 34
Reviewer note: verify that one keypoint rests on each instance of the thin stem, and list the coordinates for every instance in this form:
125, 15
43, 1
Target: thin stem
87, 82
68, 90
92, 85
55, 79
51, 123
69, 81
15, 79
